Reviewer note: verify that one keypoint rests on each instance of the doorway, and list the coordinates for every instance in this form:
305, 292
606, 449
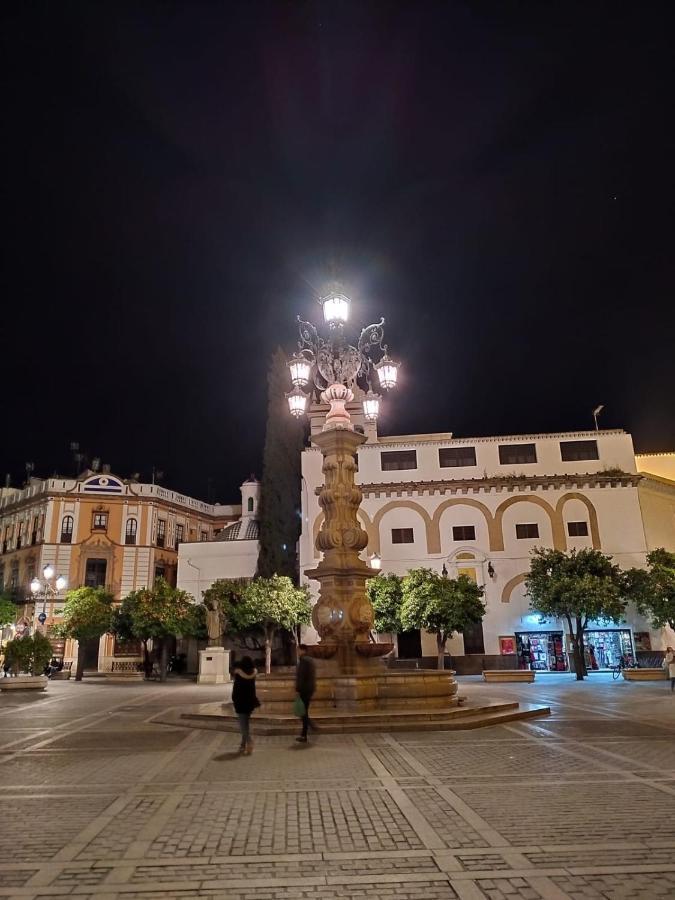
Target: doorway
410, 644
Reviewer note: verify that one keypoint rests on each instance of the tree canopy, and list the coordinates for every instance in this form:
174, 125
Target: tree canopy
157, 613
580, 586
279, 509
440, 605
653, 589
271, 604
87, 614
7, 611
385, 593
228, 594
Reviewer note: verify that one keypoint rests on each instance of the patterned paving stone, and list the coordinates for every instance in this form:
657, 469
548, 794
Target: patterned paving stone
645, 886
115, 839
451, 827
301, 822
556, 814
419, 890
505, 758
27, 839
504, 888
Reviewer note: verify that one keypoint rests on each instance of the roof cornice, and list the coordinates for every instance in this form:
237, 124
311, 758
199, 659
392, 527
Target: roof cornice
500, 484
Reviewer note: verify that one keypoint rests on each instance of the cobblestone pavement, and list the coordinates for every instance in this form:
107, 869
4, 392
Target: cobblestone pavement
99, 802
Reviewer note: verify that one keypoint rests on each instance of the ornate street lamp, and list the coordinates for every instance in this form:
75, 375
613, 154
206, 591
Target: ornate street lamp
332, 367
47, 590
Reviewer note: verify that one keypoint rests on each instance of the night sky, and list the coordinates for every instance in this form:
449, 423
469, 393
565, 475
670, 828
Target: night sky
181, 179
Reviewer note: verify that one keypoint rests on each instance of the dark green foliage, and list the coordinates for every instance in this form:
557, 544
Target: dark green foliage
653, 589
385, 595
28, 654
279, 509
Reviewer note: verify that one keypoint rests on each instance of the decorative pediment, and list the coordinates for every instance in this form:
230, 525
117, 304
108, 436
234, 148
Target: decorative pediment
102, 484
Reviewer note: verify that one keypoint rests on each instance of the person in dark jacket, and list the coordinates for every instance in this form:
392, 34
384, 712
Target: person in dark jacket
305, 685
245, 700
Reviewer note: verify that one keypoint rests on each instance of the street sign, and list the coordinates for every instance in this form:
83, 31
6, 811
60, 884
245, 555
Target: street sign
42, 618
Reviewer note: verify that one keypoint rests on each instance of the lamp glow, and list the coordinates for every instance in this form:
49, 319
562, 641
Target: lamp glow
375, 562
335, 309
60, 583
48, 572
300, 369
35, 585
297, 402
387, 372
371, 407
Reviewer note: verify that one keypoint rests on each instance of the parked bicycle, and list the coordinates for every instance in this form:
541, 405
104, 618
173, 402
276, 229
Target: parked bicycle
623, 663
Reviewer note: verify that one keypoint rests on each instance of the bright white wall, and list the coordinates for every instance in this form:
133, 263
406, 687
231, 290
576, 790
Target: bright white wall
202, 563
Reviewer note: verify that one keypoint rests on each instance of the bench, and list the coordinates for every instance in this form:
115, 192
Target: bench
644, 674
526, 675
124, 670
65, 673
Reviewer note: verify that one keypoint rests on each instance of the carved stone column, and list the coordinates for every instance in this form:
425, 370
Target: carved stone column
343, 615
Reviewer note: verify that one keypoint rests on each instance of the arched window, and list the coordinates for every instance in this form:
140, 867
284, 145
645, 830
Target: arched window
250, 504
130, 535
67, 530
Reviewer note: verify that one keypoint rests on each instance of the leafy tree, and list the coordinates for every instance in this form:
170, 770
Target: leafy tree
440, 605
7, 613
279, 510
156, 614
228, 594
87, 614
386, 595
271, 604
580, 586
653, 589
28, 654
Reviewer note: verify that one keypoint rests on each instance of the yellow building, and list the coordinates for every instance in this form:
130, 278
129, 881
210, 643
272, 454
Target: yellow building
97, 530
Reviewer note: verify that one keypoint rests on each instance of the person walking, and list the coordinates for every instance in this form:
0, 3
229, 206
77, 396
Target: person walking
305, 685
245, 700
669, 666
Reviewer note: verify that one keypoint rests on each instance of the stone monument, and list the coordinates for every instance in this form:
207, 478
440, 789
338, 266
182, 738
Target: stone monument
214, 661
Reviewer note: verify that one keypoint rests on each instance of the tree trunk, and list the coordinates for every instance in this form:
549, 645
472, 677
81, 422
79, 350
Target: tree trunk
580, 641
268, 652
440, 643
79, 669
147, 662
163, 659
578, 659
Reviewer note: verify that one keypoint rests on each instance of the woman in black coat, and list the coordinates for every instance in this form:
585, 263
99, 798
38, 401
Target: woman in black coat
244, 700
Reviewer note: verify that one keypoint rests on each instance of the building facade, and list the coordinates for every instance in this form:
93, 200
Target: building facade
97, 530
479, 506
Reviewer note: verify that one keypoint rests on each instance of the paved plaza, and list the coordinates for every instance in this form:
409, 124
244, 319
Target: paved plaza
99, 802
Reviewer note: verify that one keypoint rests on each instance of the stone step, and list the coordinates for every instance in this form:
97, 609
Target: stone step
223, 718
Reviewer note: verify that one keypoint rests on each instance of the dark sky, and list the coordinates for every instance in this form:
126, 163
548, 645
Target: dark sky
180, 179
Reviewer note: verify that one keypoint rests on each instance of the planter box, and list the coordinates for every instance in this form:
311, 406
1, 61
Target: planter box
644, 674
508, 675
24, 683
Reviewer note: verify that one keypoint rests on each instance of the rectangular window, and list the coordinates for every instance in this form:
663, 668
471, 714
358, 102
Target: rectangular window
161, 532
517, 454
463, 533
19, 533
180, 535
160, 572
402, 536
95, 572
577, 529
204, 536
451, 457
527, 530
574, 451
100, 521
394, 460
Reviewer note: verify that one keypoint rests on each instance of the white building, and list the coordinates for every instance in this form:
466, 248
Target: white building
479, 506
233, 553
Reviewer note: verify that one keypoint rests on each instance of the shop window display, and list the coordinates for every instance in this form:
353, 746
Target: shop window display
541, 651
604, 649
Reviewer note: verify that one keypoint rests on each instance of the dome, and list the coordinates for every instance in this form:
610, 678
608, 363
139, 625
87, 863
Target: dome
246, 530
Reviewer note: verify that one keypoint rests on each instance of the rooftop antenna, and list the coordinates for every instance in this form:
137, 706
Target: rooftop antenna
596, 413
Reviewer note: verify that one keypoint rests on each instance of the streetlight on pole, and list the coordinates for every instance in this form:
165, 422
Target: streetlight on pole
47, 590
332, 367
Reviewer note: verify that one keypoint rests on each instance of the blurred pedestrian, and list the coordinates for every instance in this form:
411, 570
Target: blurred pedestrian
245, 700
305, 685
669, 666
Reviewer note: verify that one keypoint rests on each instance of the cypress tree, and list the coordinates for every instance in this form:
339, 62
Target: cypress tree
279, 509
